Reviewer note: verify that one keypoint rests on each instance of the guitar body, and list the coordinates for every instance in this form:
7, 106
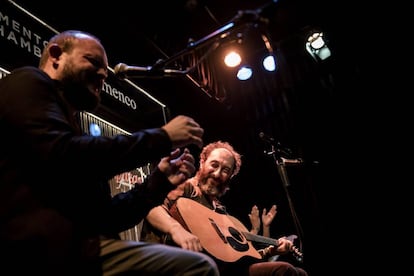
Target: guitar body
218, 234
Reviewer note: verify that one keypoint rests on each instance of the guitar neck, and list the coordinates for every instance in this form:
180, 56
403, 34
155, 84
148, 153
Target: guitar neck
269, 241
257, 238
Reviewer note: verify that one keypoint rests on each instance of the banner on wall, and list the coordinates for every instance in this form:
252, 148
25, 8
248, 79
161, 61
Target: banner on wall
23, 37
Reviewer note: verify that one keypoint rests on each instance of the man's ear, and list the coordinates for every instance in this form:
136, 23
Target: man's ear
54, 50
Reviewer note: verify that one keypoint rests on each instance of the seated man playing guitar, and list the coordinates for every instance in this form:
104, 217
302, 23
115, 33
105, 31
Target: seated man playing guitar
193, 218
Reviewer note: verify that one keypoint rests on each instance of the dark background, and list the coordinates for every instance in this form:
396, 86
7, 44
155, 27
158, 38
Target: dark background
322, 111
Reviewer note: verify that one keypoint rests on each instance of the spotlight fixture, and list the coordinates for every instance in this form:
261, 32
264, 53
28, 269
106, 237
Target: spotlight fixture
244, 73
232, 59
269, 63
317, 47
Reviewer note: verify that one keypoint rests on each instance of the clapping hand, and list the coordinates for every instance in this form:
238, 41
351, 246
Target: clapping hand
267, 217
178, 167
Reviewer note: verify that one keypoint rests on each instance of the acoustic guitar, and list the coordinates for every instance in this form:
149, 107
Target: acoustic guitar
221, 235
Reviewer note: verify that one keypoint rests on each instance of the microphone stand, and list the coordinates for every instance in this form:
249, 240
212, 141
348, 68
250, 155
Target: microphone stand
281, 168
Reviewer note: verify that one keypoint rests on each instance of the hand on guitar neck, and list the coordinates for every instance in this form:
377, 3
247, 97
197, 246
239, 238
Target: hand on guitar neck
274, 252
275, 247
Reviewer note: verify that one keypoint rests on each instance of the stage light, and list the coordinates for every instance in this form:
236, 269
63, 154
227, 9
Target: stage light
317, 47
202, 60
232, 59
244, 73
316, 40
269, 63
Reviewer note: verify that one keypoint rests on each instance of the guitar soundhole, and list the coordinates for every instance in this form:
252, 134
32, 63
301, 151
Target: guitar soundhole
236, 234
237, 240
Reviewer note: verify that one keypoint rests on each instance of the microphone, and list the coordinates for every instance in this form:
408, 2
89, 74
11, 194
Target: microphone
123, 71
266, 138
288, 162
276, 145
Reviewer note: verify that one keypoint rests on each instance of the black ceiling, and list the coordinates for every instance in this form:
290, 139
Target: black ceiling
141, 32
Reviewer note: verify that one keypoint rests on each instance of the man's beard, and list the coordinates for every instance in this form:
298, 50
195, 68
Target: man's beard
76, 91
210, 189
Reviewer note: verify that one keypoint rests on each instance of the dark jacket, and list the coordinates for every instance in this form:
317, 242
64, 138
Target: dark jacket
55, 197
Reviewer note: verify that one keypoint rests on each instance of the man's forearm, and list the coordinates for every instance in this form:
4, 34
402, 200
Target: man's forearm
161, 220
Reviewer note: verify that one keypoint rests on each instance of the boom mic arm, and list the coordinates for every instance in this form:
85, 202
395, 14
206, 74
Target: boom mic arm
124, 71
